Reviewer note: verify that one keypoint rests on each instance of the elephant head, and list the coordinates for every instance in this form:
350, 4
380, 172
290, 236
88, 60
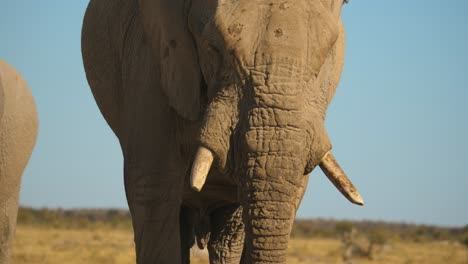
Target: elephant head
261, 75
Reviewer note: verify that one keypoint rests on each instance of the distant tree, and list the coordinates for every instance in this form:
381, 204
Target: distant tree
344, 227
464, 239
420, 234
347, 232
25, 216
377, 237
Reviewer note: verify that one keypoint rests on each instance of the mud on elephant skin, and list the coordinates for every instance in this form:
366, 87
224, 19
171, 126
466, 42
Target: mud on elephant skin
240, 85
18, 131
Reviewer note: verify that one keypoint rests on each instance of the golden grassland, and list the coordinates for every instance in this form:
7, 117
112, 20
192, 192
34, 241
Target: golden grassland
107, 245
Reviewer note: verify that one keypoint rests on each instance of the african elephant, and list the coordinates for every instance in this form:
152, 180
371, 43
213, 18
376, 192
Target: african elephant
18, 131
243, 85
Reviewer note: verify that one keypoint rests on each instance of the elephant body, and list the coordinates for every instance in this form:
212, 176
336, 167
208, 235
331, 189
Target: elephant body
170, 76
157, 143
18, 131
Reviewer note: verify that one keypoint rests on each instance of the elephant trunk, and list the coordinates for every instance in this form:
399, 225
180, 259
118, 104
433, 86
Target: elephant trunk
269, 188
275, 149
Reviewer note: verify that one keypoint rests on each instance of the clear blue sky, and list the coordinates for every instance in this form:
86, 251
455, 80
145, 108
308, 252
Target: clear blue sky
398, 122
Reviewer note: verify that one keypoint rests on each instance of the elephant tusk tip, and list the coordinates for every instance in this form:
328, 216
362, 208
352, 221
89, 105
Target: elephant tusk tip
336, 175
197, 183
351, 193
196, 188
357, 199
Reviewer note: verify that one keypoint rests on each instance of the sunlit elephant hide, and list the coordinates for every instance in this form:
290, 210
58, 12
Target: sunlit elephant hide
219, 107
18, 131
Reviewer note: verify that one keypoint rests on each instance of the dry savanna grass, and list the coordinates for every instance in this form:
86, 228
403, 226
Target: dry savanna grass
53, 246
49, 245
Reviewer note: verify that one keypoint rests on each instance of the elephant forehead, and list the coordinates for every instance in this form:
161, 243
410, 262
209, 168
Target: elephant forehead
254, 31
254, 28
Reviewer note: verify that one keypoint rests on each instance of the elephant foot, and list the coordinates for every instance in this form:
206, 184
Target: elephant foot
227, 235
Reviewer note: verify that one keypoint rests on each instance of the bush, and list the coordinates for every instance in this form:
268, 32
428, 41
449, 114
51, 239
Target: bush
344, 227
378, 236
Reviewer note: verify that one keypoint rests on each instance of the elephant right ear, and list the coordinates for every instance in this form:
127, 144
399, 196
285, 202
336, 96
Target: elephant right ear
165, 25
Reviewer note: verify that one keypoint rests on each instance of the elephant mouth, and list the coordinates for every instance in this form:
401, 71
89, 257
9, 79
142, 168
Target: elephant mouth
329, 165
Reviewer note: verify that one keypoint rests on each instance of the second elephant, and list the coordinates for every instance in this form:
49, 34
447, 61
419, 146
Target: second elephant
18, 132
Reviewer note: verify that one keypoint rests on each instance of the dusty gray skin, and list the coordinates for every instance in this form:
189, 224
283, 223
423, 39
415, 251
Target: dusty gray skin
18, 131
249, 81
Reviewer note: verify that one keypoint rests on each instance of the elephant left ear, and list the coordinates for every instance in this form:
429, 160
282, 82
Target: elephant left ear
165, 25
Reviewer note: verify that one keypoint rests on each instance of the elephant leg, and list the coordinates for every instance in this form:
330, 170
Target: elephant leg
154, 203
227, 235
8, 213
187, 237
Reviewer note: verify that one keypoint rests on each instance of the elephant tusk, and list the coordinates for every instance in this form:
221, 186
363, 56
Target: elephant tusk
200, 168
336, 175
